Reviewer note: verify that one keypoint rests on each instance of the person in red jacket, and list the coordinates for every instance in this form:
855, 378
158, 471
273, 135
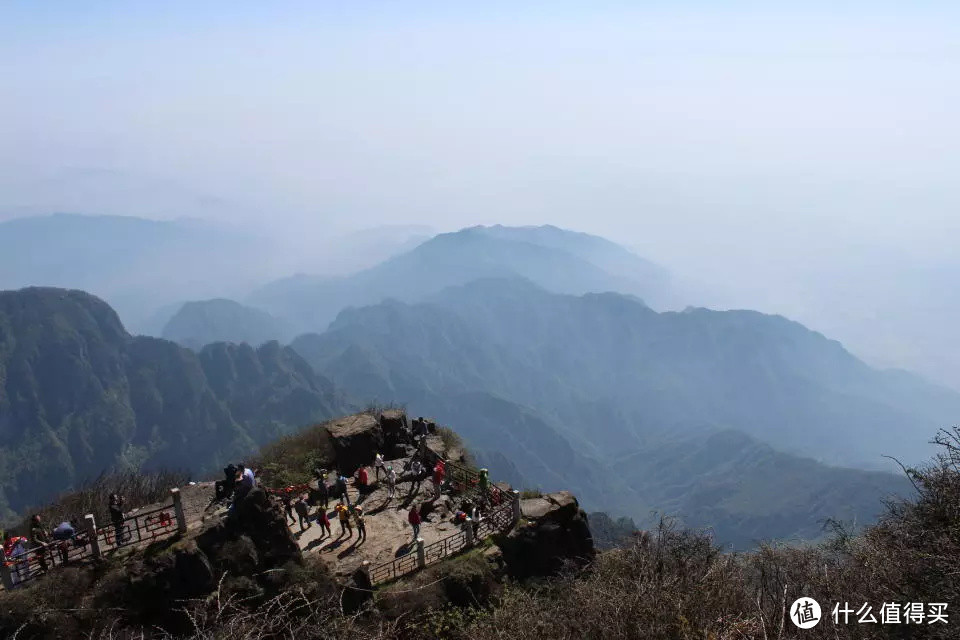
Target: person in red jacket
324, 521
439, 471
414, 519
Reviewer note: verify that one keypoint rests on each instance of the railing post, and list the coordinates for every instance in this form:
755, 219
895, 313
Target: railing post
516, 506
421, 556
178, 509
92, 534
468, 531
5, 576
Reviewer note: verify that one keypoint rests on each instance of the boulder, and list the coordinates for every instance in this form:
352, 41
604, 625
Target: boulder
558, 535
154, 586
535, 508
401, 451
396, 431
357, 591
356, 440
254, 535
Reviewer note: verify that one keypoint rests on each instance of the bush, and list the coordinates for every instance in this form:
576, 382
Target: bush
292, 459
138, 490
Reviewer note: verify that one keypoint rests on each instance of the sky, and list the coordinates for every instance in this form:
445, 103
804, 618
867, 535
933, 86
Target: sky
745, 143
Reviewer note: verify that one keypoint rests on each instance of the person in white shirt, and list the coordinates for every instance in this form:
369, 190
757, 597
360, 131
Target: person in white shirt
391, 481
378, 465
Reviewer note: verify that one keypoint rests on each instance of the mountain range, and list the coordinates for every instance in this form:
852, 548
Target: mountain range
554, 353
735, 420
80, 396
555, 259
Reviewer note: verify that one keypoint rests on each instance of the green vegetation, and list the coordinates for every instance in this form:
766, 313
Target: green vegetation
204, 322
137, 489
80, 396
670, 582
728, 419
290, 460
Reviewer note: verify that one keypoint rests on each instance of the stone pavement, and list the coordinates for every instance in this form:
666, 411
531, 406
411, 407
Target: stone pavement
389, 534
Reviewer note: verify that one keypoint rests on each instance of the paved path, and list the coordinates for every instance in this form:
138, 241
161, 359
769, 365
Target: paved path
388, 532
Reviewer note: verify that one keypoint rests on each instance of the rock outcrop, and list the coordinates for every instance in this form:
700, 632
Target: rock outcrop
556, 535
396, 431
254, 537
355, 439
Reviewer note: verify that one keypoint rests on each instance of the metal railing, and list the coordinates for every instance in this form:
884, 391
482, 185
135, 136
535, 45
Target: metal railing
139, 528
148, 526
394, 569
465, 481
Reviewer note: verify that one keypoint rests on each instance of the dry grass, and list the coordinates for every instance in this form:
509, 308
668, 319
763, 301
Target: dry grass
292, 459
138, 489
670, 583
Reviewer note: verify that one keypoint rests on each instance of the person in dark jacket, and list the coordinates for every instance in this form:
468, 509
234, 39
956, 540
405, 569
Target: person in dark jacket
40, 538
287, 500
303, 512
116, 516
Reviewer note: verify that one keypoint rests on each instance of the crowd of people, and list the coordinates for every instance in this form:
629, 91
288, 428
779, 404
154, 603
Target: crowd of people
48, 546
298, 502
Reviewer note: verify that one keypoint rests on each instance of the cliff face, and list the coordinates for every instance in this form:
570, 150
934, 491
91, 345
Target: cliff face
79, 395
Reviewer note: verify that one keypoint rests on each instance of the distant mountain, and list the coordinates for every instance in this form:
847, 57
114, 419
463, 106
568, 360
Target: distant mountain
644, 372
558, 260
199, 323
729, 419
137, 265
79, 395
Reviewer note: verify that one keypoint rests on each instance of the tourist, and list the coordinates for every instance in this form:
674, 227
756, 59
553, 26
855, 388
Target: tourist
439, 472
116, 516
361, 527
342, 486
41, 538
414, 519
224, 488
323, 492
246, 483
303, 512
15, 549
287, 501
363, 480
391, 481
484, 482
343, 514
378, 464
324, 521
63, 534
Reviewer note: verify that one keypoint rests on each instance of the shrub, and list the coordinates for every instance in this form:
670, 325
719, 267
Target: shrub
291, 459
138, 490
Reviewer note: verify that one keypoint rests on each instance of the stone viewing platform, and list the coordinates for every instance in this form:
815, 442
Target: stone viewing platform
458, 509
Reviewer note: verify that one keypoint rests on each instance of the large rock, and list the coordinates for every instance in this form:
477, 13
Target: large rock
556, 536
254, 536
396, 431
356, 440
154, 586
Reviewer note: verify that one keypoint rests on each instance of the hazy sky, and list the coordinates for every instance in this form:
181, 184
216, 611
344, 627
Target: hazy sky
690, 130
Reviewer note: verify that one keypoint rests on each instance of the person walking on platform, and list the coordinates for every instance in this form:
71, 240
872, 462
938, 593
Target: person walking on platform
361, 527
414, 519
378, 465
391, 482
303, 512
287, 501
324, 522
343, 514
